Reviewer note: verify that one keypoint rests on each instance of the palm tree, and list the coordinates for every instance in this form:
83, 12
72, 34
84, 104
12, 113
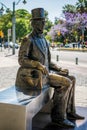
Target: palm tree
69, 8
81, 6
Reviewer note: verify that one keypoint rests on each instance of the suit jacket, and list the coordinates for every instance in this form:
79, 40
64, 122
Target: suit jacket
30, 55
31, 50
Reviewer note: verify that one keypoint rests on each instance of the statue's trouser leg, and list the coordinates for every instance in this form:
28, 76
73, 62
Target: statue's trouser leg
71, 99
62, 87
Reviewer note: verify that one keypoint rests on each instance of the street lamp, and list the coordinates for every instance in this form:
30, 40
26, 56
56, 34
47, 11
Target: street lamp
2, 8
13, 20
14, 24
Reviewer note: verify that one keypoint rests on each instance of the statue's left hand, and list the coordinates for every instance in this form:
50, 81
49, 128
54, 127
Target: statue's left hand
43, 69
64, 71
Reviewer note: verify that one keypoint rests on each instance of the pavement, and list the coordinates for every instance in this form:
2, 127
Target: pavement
9, 66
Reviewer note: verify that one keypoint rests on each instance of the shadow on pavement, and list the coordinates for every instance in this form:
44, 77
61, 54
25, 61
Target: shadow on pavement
42, 121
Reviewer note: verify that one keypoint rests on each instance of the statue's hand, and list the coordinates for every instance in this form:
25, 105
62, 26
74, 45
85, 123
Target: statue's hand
43, 69
56, 68
64, 72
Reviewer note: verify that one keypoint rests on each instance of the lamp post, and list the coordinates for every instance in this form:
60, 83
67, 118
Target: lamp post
2, 9
13, 28
13, 21
14, 24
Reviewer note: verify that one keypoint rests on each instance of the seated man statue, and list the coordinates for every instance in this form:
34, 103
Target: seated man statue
34, 72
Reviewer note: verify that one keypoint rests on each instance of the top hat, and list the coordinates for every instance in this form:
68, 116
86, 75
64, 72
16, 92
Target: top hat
38, 13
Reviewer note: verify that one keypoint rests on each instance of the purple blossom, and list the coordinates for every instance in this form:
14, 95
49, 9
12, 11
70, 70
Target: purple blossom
59, 27
76, 18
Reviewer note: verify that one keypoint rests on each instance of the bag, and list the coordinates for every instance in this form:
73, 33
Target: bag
29, 78
34, 79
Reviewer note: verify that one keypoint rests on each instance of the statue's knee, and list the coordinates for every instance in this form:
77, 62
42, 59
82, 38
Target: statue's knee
72, 78
68, 82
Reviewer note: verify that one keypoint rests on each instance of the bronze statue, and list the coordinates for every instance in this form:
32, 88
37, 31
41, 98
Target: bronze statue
35, 70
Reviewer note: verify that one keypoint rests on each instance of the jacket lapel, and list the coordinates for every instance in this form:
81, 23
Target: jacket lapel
36, 42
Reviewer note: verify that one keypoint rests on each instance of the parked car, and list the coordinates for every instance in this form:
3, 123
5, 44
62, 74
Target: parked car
67, 46
71, 45
10, 44
85, 46
1, 45
6, 45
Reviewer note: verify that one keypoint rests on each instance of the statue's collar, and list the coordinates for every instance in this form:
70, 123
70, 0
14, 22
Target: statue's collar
38, 35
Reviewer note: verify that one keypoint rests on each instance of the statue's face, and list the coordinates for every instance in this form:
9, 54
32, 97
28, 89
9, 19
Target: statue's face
38, 25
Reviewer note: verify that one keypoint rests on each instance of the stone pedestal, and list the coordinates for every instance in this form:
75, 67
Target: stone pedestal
18, 108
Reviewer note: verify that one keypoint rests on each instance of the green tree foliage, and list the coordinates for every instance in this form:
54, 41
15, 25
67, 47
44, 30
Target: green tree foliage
22, 23
69, 8
48, 23
22, 13
5, 23
23, 20
56, 21
81, 6
21, 28
76, 19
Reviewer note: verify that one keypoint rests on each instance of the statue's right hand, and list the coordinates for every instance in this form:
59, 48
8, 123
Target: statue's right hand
43, 69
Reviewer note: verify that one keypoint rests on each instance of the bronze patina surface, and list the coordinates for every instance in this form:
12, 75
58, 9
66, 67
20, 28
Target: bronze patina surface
36, 70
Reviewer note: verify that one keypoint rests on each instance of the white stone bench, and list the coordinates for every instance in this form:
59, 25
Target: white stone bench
17, 108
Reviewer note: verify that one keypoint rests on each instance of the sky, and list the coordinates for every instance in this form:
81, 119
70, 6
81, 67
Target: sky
54, 7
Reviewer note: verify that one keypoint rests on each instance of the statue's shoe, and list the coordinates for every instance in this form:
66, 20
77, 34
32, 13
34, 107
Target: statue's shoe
74, 116
64, 123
